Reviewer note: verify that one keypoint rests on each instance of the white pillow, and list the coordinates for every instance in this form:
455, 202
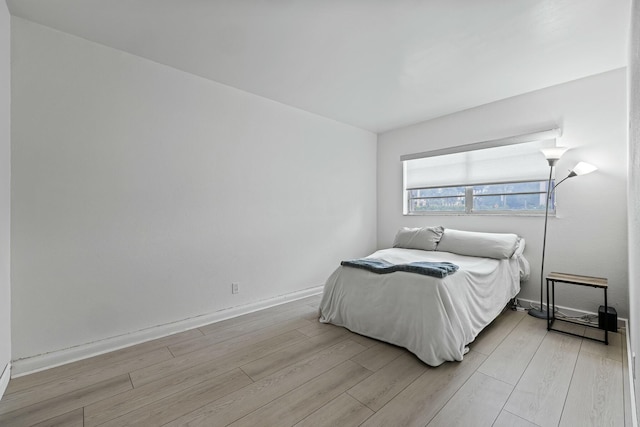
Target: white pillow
425, 238
519, 247
473, 243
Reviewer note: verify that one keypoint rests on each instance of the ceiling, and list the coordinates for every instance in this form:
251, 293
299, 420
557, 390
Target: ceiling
374, 64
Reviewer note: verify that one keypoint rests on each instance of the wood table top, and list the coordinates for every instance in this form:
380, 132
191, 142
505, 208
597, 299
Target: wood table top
598, 282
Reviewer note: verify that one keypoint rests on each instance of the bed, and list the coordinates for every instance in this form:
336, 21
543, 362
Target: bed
434, 318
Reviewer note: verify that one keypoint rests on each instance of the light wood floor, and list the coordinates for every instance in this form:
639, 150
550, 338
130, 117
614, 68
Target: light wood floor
280, 367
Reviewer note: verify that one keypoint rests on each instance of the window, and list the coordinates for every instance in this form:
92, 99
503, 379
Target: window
439, 199
507, 176
519, 197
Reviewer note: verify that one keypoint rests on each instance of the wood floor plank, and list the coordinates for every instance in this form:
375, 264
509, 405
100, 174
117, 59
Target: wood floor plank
489, 339
612, 351
301, 378
313, 302
572, 328
361, 339
168, 409
343, 411
390, 380
246, 400
300, 308
276, 361
507, 419
81, 367
159, 370
173, 383
312, 316
509, 360
241, 334
417, 404
245, 318
595, 394
70, 419
540, 393
378, 355
297, 404
178, 380
317, 328
478, 403
255, 320
69, 384
65, 403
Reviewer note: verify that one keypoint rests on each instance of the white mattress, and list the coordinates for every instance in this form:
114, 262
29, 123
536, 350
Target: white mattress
431, 317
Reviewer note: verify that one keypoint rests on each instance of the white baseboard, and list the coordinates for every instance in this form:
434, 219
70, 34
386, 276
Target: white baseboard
569, 311
4, 379
41, 362
630, 369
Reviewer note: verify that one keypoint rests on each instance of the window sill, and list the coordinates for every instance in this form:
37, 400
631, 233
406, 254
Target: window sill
515, 214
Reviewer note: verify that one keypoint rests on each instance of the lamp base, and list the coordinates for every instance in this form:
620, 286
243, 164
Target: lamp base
540, 314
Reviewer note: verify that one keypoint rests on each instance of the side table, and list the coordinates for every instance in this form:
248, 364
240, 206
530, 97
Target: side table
574, 279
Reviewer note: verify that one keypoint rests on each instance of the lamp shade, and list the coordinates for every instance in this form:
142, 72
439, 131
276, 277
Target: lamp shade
583, 168
553, 154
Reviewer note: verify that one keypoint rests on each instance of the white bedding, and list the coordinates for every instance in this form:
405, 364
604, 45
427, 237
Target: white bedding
431, 317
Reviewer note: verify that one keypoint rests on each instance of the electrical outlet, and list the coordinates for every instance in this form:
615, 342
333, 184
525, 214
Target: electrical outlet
235, 288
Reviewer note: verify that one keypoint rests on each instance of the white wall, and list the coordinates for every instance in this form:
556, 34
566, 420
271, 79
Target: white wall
634, 186
5, 187
589, 236
140, 193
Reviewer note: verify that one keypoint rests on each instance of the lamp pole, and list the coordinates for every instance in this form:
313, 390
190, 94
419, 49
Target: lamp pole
552, 155
541, 313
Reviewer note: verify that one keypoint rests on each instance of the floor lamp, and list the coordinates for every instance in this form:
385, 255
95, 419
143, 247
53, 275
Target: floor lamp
552, 155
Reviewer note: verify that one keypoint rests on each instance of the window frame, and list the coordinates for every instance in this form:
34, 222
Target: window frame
543, 137
469, 198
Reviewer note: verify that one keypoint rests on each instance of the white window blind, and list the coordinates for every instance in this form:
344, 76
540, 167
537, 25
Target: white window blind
508, 160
